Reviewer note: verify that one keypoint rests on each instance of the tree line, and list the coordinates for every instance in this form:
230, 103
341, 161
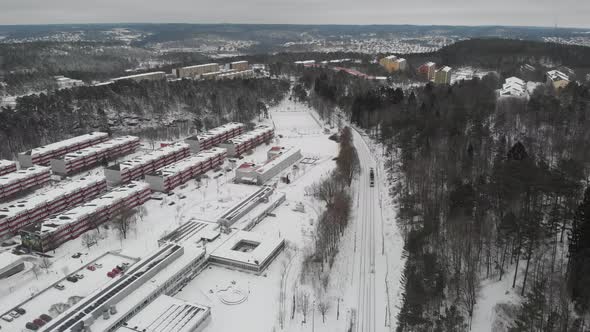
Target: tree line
488, 188
45, 118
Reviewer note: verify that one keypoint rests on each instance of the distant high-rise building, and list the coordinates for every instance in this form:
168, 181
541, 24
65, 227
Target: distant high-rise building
392, 63
443, 75
427, 70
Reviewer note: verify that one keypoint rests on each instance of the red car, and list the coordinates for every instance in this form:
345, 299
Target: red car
39, 322
91, 267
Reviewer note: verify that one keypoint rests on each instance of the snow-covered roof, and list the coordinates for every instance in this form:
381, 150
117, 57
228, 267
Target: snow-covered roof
556, 75
239, 62
29, 203
400, 60
217, 131
236, 73
74, 215
9, 260
445, 69
167, 314
515, 80
187, 163
304, 62
265, 247
286, 154
6, 163
66, 143
139, 75
22, 174
245, 137
391, 57
152, 156
101, 147
430, 64
200, 66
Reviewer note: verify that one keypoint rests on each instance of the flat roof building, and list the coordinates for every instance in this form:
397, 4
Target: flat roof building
167, 314
214, 136
56, 230
238, 145
10, 264
136, 168
249, 173
43, 155
239, 65
174, 175
79, 160
19, 214
427, 70
15, 183
557, 79
247, 251
7, 166
196, 71
153, 76
443, 75
513, 86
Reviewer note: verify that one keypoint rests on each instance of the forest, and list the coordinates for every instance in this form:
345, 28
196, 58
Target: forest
488, 189
45, 118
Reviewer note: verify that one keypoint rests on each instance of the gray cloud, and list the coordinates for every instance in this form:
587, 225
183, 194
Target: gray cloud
566, 13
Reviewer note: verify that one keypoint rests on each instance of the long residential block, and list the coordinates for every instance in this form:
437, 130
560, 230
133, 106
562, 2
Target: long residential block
172, 176
43, 155
240, 144
197, 70
214, 136
54, 231
7, 166
138, 167
21, 180
30, 210
77, 161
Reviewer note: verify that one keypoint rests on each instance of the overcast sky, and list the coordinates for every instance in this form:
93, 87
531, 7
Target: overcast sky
566, 13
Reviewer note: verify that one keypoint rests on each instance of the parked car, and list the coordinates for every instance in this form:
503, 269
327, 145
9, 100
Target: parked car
31, 326
91, 267
14, 314
72, 278
60, 286
21, 311
98, 266
76, 255
39, 322
45, 317
125, 264
79, 275
7, 318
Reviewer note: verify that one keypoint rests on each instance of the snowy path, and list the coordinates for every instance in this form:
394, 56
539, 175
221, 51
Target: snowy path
369, 262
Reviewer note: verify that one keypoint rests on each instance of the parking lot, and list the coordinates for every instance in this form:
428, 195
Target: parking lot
53, 301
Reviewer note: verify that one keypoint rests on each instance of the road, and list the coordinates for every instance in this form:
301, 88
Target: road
369, 268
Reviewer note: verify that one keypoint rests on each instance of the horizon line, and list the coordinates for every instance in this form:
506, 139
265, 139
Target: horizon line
303, 25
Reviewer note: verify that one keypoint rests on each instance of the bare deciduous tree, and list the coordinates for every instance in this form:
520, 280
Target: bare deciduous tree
45, 264
123, 222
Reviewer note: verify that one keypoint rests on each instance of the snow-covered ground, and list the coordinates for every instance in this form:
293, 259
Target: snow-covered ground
365, 277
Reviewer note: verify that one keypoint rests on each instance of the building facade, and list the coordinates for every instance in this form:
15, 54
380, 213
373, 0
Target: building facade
43, 155
443, 75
